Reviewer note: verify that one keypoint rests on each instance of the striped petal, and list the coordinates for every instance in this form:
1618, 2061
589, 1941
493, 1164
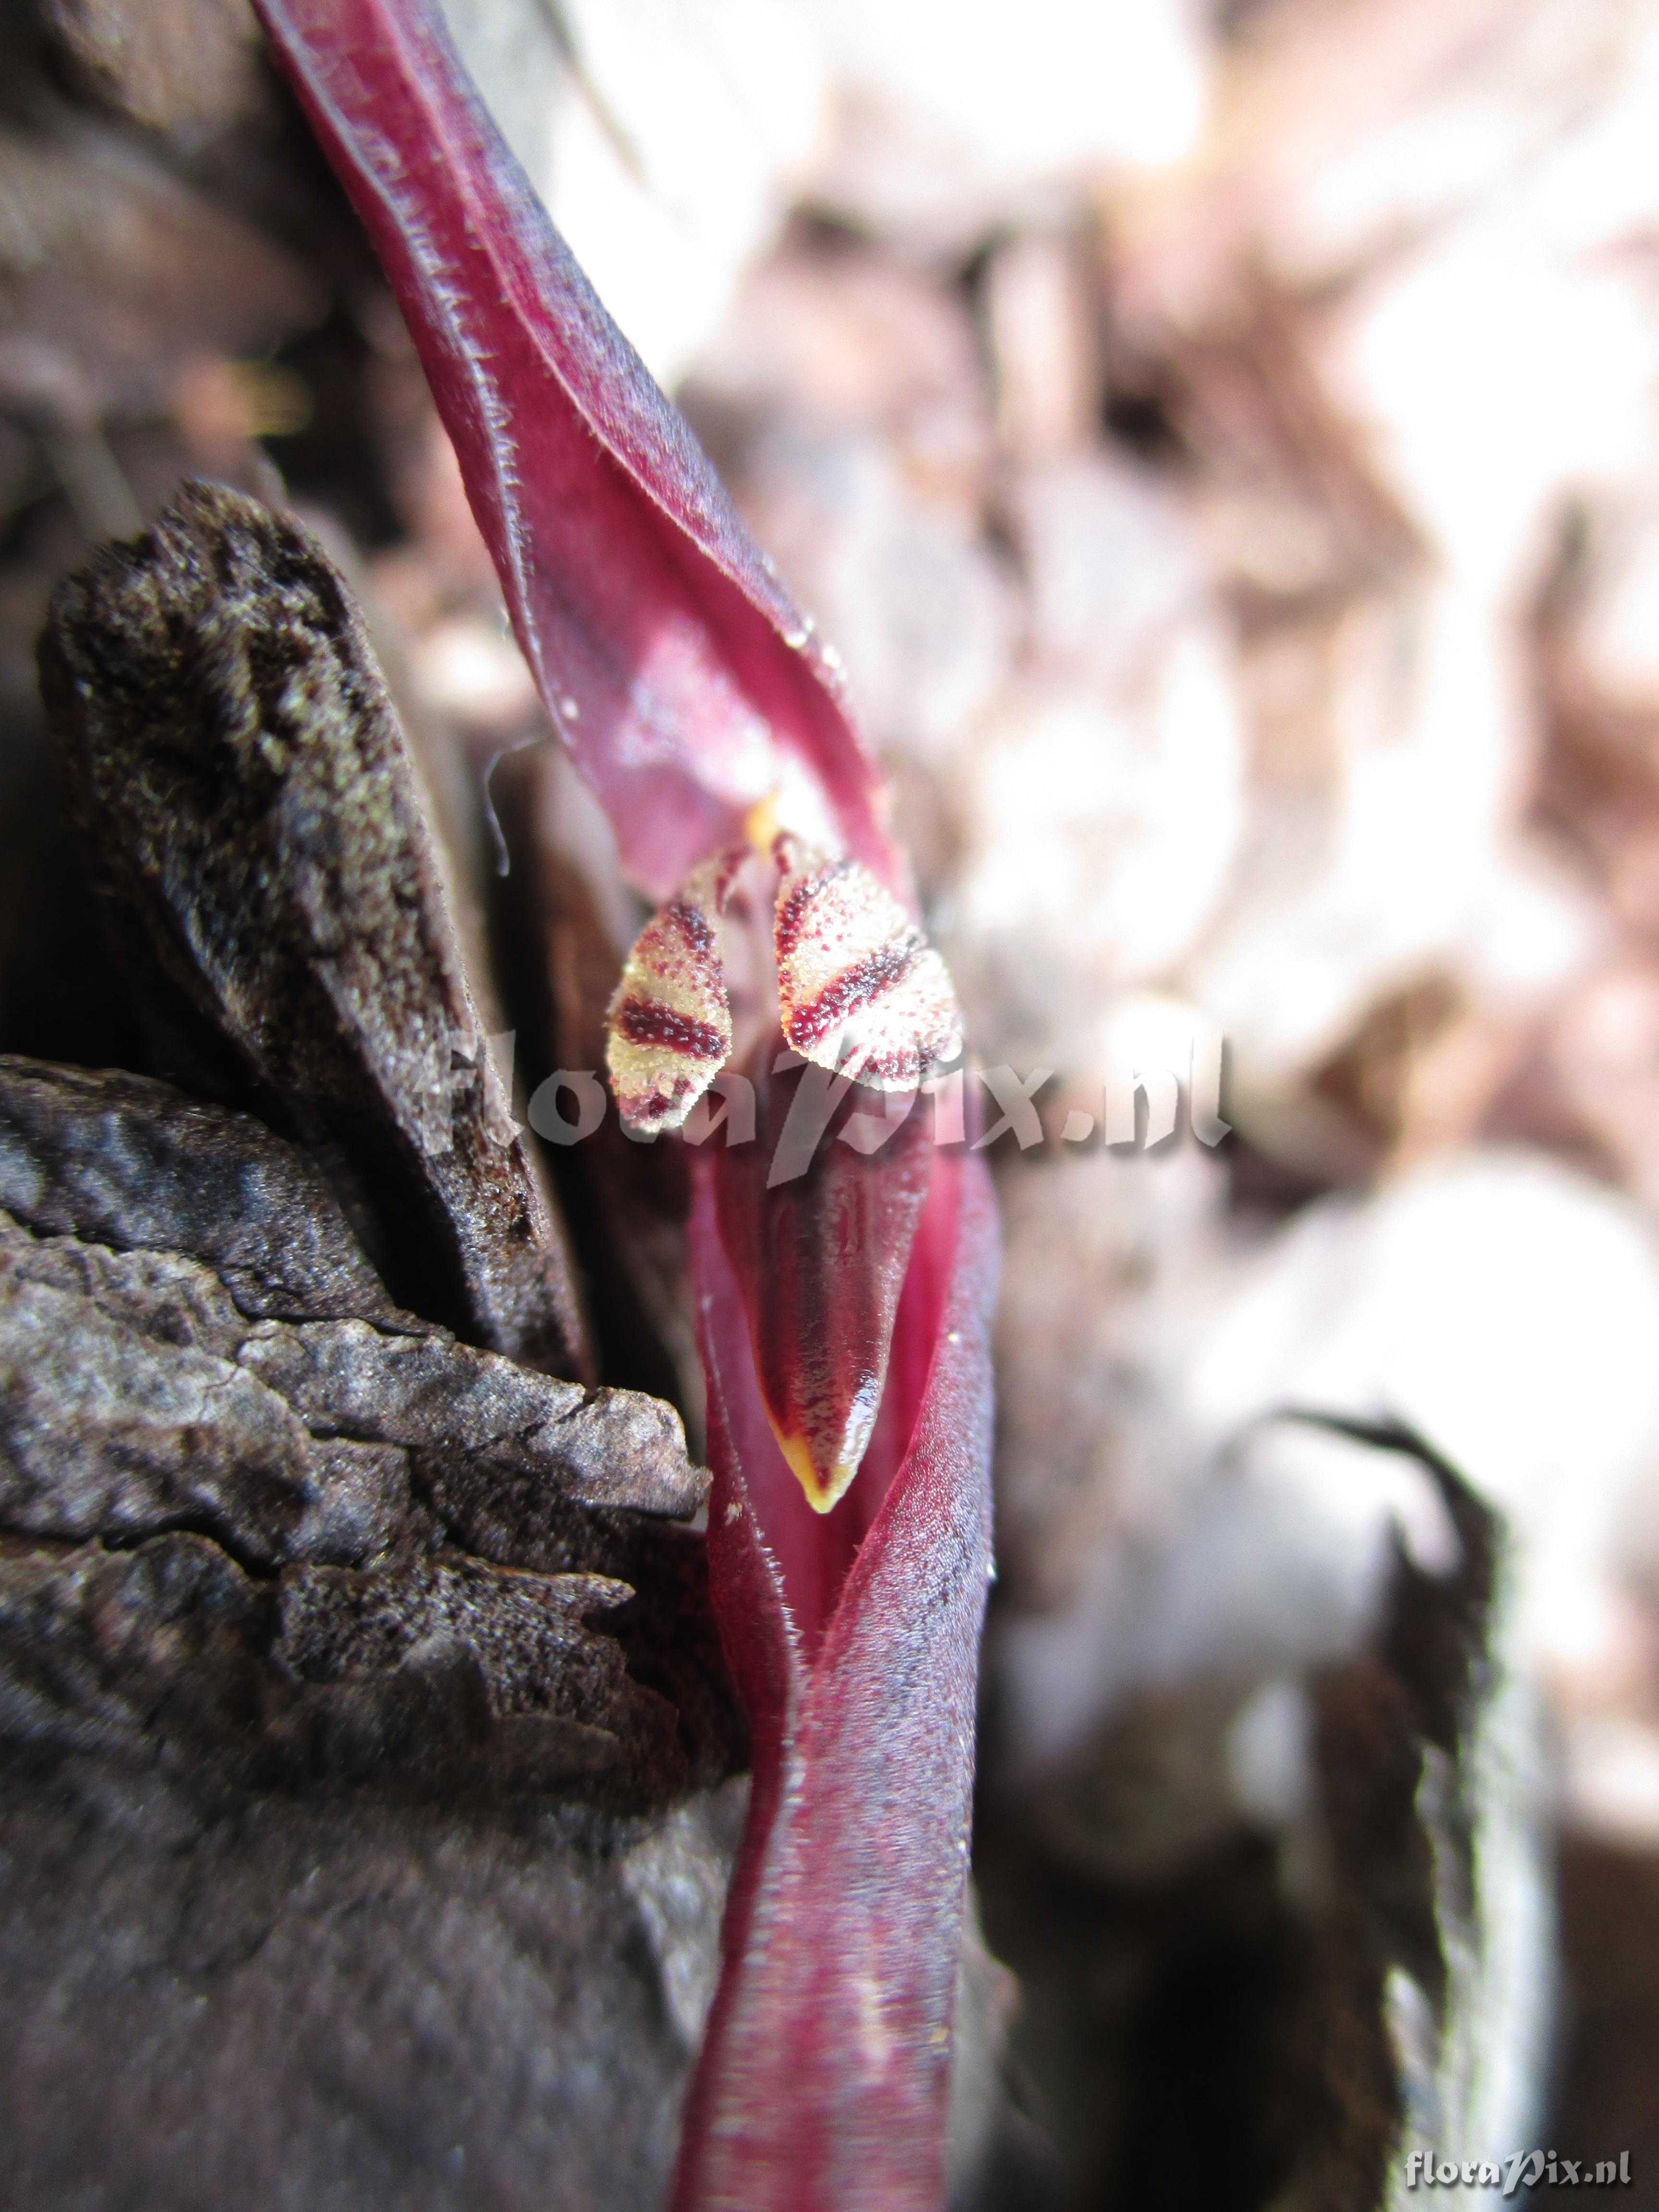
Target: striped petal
669, 1025
859, 988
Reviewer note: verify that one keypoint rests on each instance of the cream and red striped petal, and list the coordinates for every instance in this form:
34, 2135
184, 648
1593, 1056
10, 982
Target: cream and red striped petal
669, 1026
859, 985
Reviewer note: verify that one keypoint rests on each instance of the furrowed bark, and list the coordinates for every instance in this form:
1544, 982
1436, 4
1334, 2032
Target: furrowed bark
356, 1853
258, 826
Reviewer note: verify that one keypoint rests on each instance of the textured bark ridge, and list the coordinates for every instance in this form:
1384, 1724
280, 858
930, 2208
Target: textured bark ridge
277, 1365
311, 1703
352, 1496
259, 830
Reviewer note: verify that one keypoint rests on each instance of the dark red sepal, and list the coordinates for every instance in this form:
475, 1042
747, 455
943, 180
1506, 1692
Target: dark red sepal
679, 672
824, 2074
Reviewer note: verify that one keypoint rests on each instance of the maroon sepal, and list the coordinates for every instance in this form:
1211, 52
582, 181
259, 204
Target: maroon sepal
686, 683
854, 1640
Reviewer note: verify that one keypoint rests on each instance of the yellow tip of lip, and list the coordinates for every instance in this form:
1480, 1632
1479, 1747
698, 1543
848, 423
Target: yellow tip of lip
759, 824
822, 1493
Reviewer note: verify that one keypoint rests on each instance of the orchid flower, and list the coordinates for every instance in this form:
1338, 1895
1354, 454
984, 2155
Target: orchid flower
842, 1309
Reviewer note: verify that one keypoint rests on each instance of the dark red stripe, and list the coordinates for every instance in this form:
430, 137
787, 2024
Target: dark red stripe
694, 926
791, 917
857, 987
648, 1021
